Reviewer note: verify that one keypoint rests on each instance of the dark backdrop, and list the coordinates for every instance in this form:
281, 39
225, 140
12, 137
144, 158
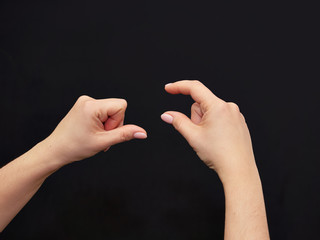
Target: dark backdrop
257, 55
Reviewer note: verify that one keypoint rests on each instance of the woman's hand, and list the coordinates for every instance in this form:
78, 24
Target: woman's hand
217, 130
91, 126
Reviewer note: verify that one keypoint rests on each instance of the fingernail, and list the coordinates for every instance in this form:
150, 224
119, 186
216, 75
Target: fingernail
167, 118
140, 135
167, 84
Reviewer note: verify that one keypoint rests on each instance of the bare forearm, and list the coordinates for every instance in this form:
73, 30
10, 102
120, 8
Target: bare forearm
218, 132
21, 178
89, 127
245, 209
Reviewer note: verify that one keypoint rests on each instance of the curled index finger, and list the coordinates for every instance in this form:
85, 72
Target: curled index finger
112, 108
197, 90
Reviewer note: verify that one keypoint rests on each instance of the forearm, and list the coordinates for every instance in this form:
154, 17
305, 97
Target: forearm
218, 132
89, 127
245, 209
21, 178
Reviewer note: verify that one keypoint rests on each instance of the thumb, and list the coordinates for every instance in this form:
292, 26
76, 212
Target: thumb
122, 134
181, 123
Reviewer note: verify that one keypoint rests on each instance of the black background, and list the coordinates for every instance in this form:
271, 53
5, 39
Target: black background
260, 56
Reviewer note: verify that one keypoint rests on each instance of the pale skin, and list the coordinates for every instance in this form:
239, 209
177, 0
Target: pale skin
217, 131
90, 126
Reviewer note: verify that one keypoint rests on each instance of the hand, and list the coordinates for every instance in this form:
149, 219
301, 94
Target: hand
217, 131
90, 127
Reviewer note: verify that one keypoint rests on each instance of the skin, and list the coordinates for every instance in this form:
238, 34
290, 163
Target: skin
91, 126
218, 133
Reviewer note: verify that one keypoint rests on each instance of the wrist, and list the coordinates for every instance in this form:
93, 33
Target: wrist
41, 161
52, 156
244, 174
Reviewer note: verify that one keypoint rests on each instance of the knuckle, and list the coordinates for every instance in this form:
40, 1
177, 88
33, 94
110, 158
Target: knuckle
124, 136
84, 98
197, 82
120, 102
222, 106
124, 103
234, 106
242, 116
87, 106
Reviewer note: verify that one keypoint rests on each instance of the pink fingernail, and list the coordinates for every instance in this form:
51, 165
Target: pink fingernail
167, 84
140, 135
167, 118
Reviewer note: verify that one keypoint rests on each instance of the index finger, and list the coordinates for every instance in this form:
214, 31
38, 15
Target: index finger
197, 90
112, 109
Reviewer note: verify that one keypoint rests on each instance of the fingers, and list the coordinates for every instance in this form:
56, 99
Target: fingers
196, 113
199, 92
181, 123
113, 108
110, 112
114, 121
121, 134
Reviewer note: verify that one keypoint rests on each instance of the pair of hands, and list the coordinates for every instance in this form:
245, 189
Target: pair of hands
217, 131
